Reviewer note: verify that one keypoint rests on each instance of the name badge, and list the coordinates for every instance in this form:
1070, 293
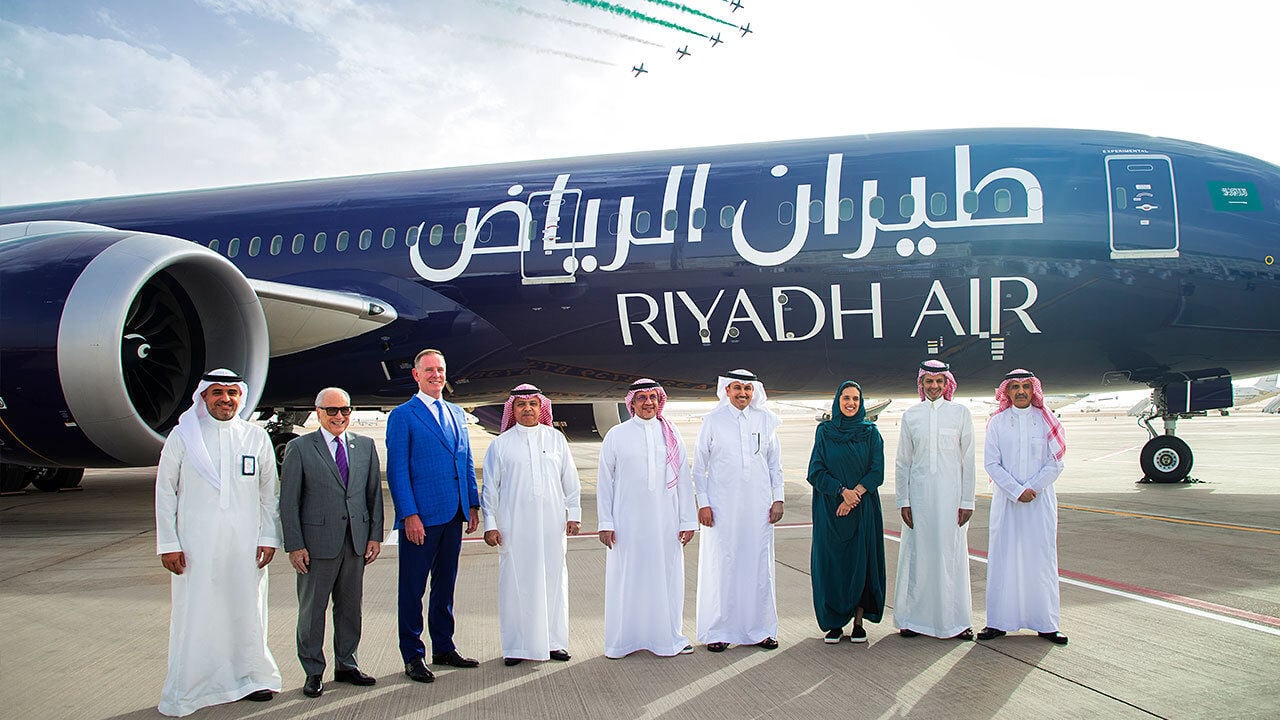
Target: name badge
248, 464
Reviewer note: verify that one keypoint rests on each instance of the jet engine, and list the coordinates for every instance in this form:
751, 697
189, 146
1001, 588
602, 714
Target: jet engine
104, 335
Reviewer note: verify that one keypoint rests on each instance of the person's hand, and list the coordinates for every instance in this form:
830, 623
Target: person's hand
572, 527
264, 555
706, 517
606, 537
1027, 495
300, 559
850, 496
413, 530
906, 517
174, 562
371, 551
843, 509
492, 538
963, 516
685, 536
775, 512
473, 521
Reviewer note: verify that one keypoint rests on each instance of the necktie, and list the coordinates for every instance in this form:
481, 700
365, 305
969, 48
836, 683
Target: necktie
445, 422
340, 457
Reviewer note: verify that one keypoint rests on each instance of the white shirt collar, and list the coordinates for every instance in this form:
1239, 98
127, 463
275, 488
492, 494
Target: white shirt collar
329, 437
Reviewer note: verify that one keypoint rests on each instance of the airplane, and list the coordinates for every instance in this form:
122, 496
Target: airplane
682, 52
639, 69
809, 262
746, 29
715, 40
735, 5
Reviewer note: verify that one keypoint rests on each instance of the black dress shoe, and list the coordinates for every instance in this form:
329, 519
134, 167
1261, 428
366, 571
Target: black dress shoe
965, 634
561, 655
314, 686
353, 676
454, 659
1054, 637
989, 633
418, 670
907, 632
259, 696
768, 644
511, 662
717, 646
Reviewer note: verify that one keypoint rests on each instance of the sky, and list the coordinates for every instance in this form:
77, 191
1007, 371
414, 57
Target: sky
137, 96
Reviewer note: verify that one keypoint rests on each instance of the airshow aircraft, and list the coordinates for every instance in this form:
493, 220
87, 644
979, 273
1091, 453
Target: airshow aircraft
735, 5
745, 29
639, 69
715, 40
809, 262
682, 52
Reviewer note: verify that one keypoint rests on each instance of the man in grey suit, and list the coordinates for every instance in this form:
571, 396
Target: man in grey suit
331, 512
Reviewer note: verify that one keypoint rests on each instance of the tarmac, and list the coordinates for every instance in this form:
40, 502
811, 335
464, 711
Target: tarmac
1170, 596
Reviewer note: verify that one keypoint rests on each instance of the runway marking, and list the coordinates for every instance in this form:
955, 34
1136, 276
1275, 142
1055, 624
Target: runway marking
1118, 452
1171, 519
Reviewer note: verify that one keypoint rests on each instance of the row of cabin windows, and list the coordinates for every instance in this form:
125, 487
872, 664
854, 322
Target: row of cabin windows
1003, 201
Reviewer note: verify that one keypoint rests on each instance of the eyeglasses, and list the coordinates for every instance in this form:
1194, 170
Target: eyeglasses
332, 411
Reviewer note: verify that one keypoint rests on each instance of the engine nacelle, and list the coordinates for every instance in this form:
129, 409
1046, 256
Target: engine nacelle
104, 335
578, 421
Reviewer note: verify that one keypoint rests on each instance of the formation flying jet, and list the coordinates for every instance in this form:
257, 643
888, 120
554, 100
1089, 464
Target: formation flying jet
745, 29
734, 5
682, 52
637, 69
809, 262
715, 40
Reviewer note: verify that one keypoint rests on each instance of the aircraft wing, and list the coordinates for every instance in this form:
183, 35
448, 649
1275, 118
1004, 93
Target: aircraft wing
300, 318
874, 410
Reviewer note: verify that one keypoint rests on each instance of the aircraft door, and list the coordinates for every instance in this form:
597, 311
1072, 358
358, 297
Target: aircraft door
1143, 206
549, 255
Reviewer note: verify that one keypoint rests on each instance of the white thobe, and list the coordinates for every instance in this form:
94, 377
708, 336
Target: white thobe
644, 571
530, 489
737, 472
934, 476
218, 628
1022, 560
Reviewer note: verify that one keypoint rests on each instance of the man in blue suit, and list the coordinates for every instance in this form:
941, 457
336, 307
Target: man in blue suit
433, 485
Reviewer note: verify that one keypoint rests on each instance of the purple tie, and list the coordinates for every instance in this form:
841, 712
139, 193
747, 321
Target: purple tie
340, 457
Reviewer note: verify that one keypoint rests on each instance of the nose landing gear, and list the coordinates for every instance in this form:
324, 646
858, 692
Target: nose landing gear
1167, 458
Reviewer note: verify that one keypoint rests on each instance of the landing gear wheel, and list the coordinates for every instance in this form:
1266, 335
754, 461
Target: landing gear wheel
13, 478
1166, 459
55, 479
279, 440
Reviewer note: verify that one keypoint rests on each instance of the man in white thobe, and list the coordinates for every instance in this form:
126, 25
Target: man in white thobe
217, 527
644, 499
934, 483
737, 472
1024, 450
530, 501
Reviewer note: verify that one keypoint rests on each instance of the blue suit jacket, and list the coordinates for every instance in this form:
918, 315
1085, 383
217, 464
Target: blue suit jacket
429, 474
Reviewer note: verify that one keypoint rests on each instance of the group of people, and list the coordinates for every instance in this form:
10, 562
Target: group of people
934, 482
220, 520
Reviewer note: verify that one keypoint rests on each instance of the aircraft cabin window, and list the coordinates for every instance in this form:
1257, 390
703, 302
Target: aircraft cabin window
970, 202
938, 203
388, 238
815, 211
670, 220
1004, 200
233, 247
699, 218
437, 234
321, 239
875, 208
255, 245
213, 244
340, 244
411, 236
613, 224
486, 232
277, 243
299, 241
907, 205
726, 216
1122, 201
366, 238
846, 209
642, 221
459, 233
786, 213
533, 231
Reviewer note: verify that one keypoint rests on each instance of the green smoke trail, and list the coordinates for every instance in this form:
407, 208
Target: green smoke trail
629, 13
573, 23
691, 11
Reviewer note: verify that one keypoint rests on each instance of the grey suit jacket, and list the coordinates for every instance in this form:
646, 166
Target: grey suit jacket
316, 511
